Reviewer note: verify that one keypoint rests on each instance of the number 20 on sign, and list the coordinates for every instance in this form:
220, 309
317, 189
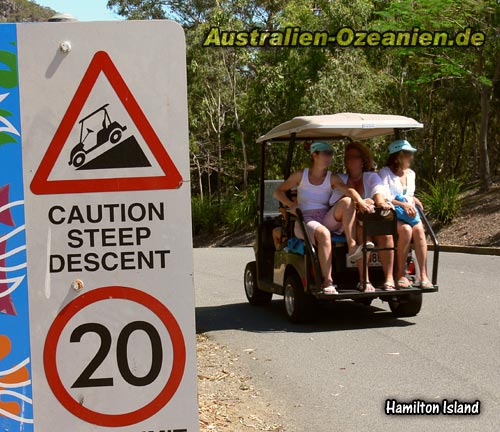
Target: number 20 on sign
162, 325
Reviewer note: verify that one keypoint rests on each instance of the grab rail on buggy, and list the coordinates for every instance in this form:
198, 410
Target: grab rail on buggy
435, 242
379, 223
311, 251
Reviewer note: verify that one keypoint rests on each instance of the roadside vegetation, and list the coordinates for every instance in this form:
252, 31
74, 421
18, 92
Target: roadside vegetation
236, 212
442, 199
23, 11
237, 94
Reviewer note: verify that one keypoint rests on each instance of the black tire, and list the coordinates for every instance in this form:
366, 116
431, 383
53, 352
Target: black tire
299, 305
115, 136
255, 296
406, 306
79, 159
364, 301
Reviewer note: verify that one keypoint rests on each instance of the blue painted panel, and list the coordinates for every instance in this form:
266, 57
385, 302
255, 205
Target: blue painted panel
16, 412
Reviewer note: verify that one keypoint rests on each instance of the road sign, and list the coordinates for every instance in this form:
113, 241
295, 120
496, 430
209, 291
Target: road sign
170, 378
109, 249
109, 146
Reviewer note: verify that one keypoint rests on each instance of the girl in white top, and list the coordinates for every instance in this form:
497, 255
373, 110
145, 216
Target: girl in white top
394, 184
399, 179
314, 187
358, 161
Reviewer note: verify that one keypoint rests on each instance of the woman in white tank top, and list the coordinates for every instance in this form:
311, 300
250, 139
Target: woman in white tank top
314, 187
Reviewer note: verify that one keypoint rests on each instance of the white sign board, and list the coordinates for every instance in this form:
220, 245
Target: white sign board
107, 203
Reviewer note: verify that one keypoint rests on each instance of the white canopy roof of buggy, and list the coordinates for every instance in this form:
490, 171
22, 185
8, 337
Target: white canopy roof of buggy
352, 125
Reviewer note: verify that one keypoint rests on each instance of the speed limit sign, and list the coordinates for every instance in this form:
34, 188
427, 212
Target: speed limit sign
126, 372
108, 226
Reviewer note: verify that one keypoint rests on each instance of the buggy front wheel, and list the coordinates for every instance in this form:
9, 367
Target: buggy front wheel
364, 301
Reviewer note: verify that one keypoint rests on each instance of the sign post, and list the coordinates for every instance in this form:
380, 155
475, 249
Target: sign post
107, 208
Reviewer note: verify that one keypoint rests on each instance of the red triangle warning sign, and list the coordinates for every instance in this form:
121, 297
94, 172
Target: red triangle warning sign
107, 147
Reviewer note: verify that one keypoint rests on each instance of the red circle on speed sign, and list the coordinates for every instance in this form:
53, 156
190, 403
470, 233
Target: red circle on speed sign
107, 293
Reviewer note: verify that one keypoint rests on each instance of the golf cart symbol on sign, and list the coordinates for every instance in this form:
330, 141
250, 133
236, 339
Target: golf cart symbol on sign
106, 147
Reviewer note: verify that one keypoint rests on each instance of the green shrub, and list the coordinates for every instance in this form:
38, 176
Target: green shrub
242, 210
442, 199
207, 215
235, 212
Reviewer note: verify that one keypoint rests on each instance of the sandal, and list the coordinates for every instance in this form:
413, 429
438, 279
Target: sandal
426, 284
403, 283
389, 287
329, 289
368, 284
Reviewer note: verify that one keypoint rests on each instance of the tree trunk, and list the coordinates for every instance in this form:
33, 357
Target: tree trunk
484, 160
200, 179
234, 85
245, 160
209, 176
460, 152
219, 150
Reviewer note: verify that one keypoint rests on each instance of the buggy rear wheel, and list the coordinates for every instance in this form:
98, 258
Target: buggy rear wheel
255, 296
364, 301
299, 305
406, 306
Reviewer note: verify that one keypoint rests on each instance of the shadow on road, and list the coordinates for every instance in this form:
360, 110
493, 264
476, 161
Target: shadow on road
271, 318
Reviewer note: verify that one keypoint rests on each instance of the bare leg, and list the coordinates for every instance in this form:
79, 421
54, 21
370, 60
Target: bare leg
323, 240
404, 233
359, 263
387, 258
420, 250
277, 237
344, 212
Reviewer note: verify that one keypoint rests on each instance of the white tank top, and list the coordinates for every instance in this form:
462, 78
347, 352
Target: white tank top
313, 197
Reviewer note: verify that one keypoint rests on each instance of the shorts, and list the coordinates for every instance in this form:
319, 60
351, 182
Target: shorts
331, 223
313, 220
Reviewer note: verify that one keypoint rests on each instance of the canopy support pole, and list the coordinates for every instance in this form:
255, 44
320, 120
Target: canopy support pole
289, 158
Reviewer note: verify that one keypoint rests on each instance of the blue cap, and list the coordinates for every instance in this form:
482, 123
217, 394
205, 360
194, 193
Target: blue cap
399, 145
320, 146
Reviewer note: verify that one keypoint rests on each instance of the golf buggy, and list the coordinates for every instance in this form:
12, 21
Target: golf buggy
110, 131
293, 271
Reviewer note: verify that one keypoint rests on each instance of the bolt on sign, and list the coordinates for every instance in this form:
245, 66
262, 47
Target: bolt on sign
95, 219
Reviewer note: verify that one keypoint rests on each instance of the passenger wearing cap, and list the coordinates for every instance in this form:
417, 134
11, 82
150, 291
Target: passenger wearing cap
399, 180
314, 187
361, 176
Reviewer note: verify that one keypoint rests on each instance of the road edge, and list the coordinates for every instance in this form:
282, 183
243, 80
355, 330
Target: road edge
473, 250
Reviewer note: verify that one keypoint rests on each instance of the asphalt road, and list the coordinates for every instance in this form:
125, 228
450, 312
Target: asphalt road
335, 374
